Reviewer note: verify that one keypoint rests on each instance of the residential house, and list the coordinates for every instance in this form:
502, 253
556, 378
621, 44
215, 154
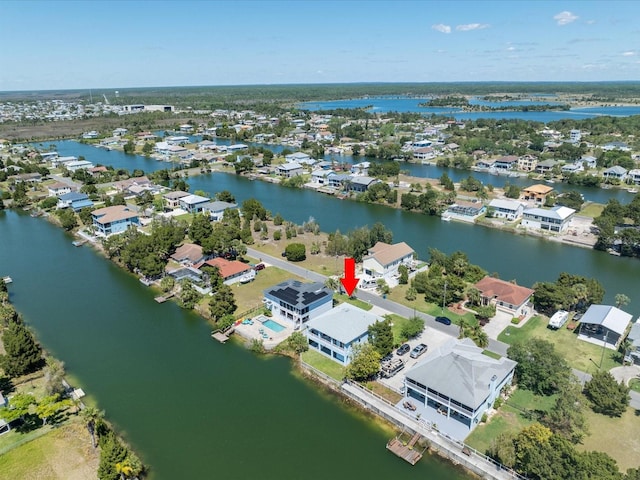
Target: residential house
177, 140
193, 203
119, 132
296, 303
335, 332
60, 161
383, 260
288, 170
236, 148
123, 186
216, 209
623, 147
97, 171
425, 153
297, 157
527, 163
508, 209
115, 219
573, 167
506, 296
633, 354
556, 219
546, 166
575, 136
455, 385
186, 128
509, 162
589, 161
48, 156
188, 254
485, 164
361, 183
172, 199
231, 271
361, 168
463, 210
634, 176
604, 325
58, 188
78, 165
30, 178
616, 172
537, 193
90, 135
319, 177
74, 200
337, 180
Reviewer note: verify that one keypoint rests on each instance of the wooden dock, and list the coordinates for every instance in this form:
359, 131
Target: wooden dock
162, 299
406, 450
222, 336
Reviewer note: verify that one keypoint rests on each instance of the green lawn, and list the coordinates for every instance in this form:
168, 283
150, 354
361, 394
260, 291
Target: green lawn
353, 301
324, 364
250, 294
491, 354
616, 436
576, 352
592, 210
634, 385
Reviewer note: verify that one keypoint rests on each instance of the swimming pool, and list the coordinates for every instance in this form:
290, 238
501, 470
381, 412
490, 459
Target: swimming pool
271, 325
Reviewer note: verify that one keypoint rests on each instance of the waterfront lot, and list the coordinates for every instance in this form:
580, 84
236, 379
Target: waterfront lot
578, 354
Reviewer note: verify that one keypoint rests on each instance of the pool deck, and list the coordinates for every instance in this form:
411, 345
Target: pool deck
252, 332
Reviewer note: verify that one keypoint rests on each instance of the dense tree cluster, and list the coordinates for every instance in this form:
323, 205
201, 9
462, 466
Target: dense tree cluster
615, 229
540, 368
569, 292
357, 242
607, 396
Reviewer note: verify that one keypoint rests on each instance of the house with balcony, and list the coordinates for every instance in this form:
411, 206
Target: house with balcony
634, 176
616, 173
296, 303
589, 161
509, 162
74, 200
319, 176
455, 385
216, 209
57, 189
172, 199
383, 261
506, 296
297, 157
464, 210
527, 163
556, 219
574, 167
546, 166
537, 193
604, 325
193, 203
288, 170
505, 208
334, 333
361, 183
115, 219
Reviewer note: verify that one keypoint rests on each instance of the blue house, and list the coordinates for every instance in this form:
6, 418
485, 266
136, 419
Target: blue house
115, 219
335, 332
74, 200
296, 303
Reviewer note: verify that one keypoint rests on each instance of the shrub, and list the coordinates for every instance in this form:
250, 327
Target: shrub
515, 320
277, 235
295, 252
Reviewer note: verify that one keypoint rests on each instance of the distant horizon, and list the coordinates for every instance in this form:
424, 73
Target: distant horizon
71, 45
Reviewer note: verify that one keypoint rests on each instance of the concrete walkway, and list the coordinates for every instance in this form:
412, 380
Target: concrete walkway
625, 374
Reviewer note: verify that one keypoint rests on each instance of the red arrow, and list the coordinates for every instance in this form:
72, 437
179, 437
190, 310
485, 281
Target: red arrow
349, 281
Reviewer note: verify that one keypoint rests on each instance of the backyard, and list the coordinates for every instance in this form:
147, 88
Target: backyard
324, 364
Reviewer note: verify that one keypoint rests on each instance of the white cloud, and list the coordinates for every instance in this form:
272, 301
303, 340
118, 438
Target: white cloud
563, 18
440, 27
472, 26
628, 54
511, 49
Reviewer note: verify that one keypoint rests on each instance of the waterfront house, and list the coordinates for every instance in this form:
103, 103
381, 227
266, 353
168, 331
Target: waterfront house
537, 193
31, 178
335, 332
508, 162
485, 164
634, 176
633, 354
186, 128
192, 203
216, 209
527, 163
177, 140
506, 296
505, 208
589, 161
296, 303
90, 135
119, 132
236, 148
361, 183
604, 325
464, 210
115, 219
546, 166
78, 165
616, 172
297, 157
288, 170
58, 188
188, 254
425, 153
172, 199
556, 219
74, 200
60, 161
337, 180
319, 177
361, 168
574, 167
455, 385
623, 147
48, 156
231, 271
383, 261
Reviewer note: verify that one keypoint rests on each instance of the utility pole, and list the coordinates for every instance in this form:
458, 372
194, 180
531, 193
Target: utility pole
604, 344
444, 296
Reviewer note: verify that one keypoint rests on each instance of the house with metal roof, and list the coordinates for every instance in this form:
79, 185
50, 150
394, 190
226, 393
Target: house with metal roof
216, 209
58, 188
192, 203
361, 183
114, 219
455, 385
504, 208
288, 170
604, 325
298, 157
556, 219
383, 261
464, 210
296, 303
633, 355
335, 332
506, 296
545, 166
74, 200
172, 199
615, 172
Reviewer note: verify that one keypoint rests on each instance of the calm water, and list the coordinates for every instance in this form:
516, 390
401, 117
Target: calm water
395, 104
118, 159
191, 407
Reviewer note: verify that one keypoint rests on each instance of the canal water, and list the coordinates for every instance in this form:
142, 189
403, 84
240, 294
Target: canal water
191, 407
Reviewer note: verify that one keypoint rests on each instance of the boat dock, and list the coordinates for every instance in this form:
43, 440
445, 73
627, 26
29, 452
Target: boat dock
162, 299
7, 279
405, 450
222, 336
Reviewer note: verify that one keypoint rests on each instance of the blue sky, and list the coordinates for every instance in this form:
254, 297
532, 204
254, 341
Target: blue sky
119, 44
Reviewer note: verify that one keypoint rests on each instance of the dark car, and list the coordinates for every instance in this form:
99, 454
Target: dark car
444, 320
259, 267
403, 349
418, 350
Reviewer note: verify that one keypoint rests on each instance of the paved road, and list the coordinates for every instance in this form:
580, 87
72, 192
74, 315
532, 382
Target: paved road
393, 307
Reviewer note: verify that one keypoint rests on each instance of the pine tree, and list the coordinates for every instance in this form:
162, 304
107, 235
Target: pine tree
23, 354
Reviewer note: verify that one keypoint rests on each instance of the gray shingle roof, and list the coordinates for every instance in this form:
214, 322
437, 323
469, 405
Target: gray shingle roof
344, 323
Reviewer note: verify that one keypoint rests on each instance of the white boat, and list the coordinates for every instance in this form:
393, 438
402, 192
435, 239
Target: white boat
633, 190
445, 218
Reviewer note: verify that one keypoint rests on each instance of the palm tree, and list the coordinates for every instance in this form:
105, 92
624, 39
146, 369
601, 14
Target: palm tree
622, 300
580, 294
93, 418
473, 296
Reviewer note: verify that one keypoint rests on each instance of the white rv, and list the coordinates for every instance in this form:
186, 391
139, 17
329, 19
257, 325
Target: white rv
558, 319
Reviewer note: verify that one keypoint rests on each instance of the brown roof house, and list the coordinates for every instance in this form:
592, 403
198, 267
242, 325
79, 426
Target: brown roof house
382, 262
538, 193
506, 296
189, 254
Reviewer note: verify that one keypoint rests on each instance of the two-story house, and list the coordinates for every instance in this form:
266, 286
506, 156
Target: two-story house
383, 261
296, 303
115, 219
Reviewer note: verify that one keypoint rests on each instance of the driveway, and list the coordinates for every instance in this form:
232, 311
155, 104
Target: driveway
625, 374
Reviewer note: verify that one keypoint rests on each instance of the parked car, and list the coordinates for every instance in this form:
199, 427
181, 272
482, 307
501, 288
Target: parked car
259, 267
418, 350
403, 349
444, 320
